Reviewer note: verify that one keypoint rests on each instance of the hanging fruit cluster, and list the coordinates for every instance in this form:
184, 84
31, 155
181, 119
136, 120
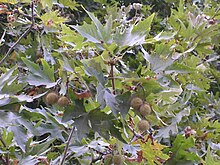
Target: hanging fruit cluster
144, 109
53, 98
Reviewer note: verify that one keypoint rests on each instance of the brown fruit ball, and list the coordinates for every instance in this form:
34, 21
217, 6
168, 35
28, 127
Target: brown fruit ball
51, 98
143, 125
145, 109
39, 54
136, 102
118, 160
63, 101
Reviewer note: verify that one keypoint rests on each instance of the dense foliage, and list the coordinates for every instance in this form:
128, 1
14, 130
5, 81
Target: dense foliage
109, 82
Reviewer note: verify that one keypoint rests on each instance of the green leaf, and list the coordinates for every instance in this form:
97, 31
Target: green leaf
33, 115
157, 63
68, 64
93, 71
151, 86
111, 102
104, 125
32, 67
69, 36
29, 160
50, 123
74, 111
37, 76
96, 32
47, 70
143, 27
179, 68
47, 3
101, 122
29, 126
209, 160
20, 136
52, 129
123, 101
4, 101
135, 34
52, 16
181, 114
8, 1
13, 88
40, 147
127, 38
7, 118
38, 81
88, 31
165, 36
165, 132
79, 150
82, 126
101, 1
103, 32
72, 4
152, 152
7, 137
180, 147
7, 77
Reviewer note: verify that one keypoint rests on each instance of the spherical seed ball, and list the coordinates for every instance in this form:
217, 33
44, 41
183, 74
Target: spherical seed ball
136, 102
145, 109
51, 98
63, 101
118, 160
39, 54
143, 125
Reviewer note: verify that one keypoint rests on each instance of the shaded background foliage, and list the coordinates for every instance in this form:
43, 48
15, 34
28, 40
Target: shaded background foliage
100, 54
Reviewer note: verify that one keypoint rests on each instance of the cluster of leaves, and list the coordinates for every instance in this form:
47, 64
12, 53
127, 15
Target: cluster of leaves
100, 60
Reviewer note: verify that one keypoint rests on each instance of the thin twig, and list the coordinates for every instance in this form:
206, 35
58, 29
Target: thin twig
135, 134
67, 145
2, 38
22, 36
151, 138
101, 154
112, 77
29, 16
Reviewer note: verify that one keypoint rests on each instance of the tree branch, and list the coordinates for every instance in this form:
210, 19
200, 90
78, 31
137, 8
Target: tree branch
22, 36
67, 145
135, 134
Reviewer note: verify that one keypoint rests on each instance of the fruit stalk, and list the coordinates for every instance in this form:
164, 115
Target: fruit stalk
135, 135
67, 145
